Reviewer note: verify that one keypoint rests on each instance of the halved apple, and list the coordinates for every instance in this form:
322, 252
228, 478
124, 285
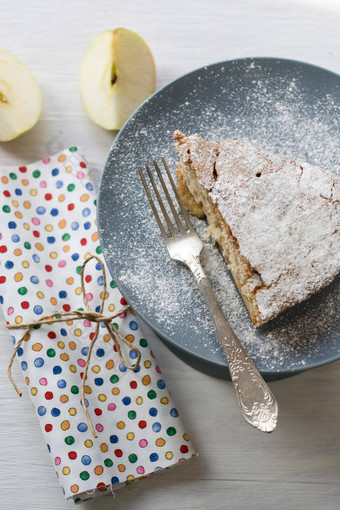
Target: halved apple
20, 97
117, 75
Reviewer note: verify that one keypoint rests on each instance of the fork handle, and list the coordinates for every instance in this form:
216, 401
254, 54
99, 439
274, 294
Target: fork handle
256, 401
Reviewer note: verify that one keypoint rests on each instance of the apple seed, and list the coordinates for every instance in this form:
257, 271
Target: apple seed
113, 74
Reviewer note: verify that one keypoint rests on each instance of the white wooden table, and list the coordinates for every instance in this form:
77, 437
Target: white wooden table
239, 468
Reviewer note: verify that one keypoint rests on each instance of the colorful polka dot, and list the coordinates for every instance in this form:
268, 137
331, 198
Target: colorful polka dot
49, 229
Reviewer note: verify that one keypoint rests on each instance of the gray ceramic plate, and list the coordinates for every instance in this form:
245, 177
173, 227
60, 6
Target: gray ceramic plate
281, 105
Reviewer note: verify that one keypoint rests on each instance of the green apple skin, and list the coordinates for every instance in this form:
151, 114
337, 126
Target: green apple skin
117, 75
20, 97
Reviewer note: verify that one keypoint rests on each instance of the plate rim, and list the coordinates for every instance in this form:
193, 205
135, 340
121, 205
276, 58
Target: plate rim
268, 372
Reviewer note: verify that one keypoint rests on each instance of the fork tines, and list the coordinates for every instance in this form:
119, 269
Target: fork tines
183, 229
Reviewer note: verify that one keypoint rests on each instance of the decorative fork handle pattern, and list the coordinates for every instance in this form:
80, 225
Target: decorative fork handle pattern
257, 403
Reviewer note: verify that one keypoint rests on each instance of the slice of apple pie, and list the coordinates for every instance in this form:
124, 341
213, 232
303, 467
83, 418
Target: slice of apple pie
277, 221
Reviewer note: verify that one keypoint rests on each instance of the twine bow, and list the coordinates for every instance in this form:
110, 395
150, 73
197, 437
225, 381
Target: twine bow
90, 315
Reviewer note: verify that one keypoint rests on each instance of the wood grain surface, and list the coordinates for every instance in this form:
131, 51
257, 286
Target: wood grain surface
298, 466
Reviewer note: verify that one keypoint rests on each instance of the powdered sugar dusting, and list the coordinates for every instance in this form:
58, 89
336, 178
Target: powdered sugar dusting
281, 212
283, 111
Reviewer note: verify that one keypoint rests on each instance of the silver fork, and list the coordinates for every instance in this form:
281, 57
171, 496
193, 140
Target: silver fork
256, 401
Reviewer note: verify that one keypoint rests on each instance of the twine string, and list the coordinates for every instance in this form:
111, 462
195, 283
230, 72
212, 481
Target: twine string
90, 315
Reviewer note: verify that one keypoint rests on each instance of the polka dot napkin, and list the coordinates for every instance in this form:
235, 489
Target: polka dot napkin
48, 228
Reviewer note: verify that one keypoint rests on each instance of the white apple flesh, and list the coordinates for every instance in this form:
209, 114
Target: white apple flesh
117, 75
20, 97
